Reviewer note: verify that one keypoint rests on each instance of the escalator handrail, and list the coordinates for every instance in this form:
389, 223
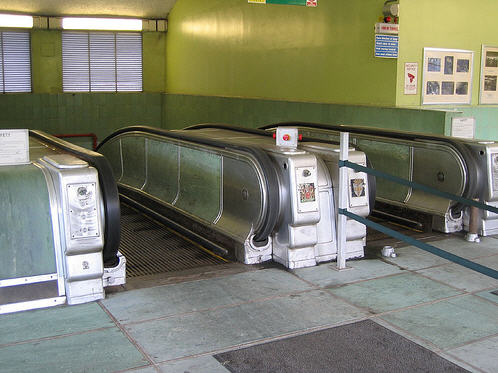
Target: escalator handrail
110, 195
473, 189
229, 127
271, 215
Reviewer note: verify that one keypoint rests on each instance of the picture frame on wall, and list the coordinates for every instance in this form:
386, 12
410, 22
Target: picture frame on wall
489, 76
447, 76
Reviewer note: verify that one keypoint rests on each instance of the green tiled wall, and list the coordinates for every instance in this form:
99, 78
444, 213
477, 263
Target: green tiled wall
100, 113
183, 110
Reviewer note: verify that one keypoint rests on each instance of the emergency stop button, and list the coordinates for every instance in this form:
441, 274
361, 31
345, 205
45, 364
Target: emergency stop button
287, 137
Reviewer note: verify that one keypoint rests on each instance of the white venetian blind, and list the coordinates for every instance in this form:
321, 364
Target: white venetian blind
102, 61
15, 62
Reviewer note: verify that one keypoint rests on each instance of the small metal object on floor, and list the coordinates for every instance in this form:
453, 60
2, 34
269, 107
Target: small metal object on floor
151, 248
388, 252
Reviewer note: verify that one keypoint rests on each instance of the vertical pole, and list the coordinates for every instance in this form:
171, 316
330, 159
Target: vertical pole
343, 202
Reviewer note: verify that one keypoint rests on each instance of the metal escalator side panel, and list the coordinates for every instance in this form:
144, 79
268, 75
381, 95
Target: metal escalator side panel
81, 225
270, 180
222, 188
108, 187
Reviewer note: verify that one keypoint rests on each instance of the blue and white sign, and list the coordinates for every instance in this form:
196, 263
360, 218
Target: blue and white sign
386, 46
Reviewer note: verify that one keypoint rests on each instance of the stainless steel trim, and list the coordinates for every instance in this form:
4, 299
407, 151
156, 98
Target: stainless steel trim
146, 159
56, 230
220, 211
31, 305
27, 280
178, 169
410, 189
121, 160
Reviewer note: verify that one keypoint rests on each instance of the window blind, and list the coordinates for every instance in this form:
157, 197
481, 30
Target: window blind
15, 61
102, 61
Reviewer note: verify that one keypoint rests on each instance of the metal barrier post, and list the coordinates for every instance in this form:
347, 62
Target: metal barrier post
343, 202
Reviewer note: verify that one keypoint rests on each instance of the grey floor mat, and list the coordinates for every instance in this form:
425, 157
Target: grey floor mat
364, 346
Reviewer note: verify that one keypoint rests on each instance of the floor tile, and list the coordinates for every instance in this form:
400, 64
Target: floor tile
143, 304
197, 365
149, 369
208, 331
491, 262
326, 275
449, 323
482, 354
489, 296
51, 322
390, 293
100, 351
413, 258
460, 277
468, 250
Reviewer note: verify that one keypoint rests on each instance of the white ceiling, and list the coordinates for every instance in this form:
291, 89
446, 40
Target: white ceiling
124, 8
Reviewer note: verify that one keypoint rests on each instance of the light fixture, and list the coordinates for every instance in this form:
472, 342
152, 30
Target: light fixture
111, 24
11, 20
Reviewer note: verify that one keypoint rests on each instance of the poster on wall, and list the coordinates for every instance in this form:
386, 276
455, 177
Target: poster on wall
489, 75
447, 76
411, 78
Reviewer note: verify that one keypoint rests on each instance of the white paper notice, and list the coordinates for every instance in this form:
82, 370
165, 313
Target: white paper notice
463, 127
14, 147
411, 78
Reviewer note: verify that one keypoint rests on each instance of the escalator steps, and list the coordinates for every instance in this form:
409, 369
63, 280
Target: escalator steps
150, 248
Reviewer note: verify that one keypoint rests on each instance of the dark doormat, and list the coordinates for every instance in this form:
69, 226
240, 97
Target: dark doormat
364, 346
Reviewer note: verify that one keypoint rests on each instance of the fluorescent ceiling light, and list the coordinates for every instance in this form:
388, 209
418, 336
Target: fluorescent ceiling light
115, 24
11, 20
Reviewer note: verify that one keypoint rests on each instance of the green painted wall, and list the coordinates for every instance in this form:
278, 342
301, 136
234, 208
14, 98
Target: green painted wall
454, 24
235, 49
154, 61
46, 61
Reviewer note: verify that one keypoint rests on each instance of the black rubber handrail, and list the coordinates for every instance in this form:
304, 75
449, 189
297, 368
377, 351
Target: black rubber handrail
108, 187
473, 189
229, 127
272, 212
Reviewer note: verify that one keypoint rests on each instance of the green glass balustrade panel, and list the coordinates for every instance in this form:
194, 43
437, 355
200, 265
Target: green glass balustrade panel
390, 158
162, 170
133, 150
112, 152
26, 237
200, 183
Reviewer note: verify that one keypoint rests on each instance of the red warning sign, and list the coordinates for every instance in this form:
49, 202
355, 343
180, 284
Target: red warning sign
312, 3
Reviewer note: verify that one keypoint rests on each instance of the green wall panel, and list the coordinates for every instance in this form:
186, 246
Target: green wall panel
100, 113
46, 55
236, 49
26, 240
154, 61
184, 110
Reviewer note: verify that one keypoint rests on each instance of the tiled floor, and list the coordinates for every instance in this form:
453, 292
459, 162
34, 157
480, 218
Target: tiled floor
178, 327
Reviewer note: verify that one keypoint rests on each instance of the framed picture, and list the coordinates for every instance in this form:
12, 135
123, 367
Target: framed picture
447, 76
489, 75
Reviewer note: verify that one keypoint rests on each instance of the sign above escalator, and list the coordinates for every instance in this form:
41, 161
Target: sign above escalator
308, 3
14, 147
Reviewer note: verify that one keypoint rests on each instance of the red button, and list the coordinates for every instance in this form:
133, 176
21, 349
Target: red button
286, 137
